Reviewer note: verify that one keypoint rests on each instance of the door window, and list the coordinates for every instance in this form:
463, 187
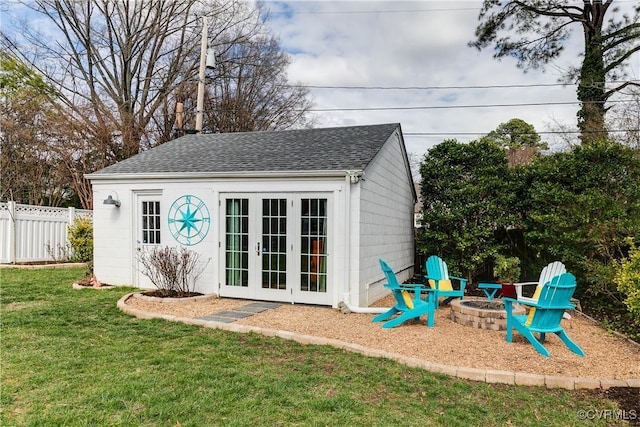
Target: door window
150, 222
237, 242
274, 243
313, 253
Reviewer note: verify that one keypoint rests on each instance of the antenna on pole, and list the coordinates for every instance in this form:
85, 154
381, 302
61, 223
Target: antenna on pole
211, 58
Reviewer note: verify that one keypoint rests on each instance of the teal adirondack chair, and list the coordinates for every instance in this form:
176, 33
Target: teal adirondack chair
439, 280
408, 306
545, 314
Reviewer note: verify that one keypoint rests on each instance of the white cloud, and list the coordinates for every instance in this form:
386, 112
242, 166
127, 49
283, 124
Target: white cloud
415, 48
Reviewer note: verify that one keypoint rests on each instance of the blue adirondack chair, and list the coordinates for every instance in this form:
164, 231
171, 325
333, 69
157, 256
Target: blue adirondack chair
409, 303
545, 314
439, 280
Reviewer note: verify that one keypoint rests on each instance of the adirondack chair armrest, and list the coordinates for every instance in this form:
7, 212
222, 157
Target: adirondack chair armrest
413, 287
405, 286
419, 289
517, 301
534, 304
460, 279
561, 307
463, 282
412, 284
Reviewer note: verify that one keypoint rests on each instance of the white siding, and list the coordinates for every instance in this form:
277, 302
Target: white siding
115, 240
371, 219
112, 235
386, 220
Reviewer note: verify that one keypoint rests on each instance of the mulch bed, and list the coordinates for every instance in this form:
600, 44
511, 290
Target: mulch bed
627, 399
160, 293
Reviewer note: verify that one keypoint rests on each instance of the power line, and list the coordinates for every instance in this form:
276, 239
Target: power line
557, 132
429, 87
507, 86
352, 12
445, 107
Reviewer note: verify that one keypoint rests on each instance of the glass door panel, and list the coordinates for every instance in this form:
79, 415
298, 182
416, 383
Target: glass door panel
274, 244
237, 242
313, 250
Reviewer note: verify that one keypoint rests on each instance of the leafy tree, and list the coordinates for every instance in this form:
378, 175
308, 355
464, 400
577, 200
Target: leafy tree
535, 32
465, 201
519, 139
45, 153
29, 170
16, 76
582, 205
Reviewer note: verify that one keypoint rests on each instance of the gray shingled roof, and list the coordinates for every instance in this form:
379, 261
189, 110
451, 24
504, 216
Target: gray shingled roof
327, 149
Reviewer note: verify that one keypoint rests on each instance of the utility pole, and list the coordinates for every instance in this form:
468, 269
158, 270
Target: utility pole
201, 75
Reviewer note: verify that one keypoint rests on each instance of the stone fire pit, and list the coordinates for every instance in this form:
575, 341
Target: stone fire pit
482, 313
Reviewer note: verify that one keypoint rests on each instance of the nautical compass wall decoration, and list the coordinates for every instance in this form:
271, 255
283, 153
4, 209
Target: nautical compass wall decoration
189, 220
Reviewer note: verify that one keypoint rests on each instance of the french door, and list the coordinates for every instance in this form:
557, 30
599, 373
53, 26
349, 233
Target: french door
274, 247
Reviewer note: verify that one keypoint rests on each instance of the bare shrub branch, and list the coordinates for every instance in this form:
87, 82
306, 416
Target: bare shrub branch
172, 271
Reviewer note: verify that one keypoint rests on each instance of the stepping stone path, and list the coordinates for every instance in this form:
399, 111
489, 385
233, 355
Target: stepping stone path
230, 316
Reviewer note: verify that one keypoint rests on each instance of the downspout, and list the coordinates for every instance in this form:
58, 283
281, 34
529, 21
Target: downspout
349, 176
363, 310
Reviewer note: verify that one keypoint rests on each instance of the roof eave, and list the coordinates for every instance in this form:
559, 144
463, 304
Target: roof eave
220, 175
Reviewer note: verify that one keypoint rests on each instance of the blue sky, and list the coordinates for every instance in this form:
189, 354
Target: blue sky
417, 44
455, 91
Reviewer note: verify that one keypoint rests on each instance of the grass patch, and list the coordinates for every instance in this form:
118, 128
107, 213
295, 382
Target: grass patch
70, 357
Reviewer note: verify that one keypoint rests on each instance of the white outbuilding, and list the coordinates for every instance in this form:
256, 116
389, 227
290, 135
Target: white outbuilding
299, 216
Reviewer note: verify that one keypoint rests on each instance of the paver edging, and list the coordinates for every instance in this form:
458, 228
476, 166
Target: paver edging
78, 286
568, 383
494, 376
485, 375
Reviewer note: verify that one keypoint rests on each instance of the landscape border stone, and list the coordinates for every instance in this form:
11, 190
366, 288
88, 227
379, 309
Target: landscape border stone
483, 375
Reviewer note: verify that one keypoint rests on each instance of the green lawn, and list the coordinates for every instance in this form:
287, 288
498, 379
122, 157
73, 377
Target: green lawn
70, 357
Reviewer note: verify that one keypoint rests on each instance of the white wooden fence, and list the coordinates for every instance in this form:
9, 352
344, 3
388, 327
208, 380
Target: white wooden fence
35, 233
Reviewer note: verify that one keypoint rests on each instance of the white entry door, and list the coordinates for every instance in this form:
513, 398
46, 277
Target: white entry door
274, 247
148, 221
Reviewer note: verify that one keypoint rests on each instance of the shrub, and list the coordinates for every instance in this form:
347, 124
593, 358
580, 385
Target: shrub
506, 269
81, 240
627, 279
172, 271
